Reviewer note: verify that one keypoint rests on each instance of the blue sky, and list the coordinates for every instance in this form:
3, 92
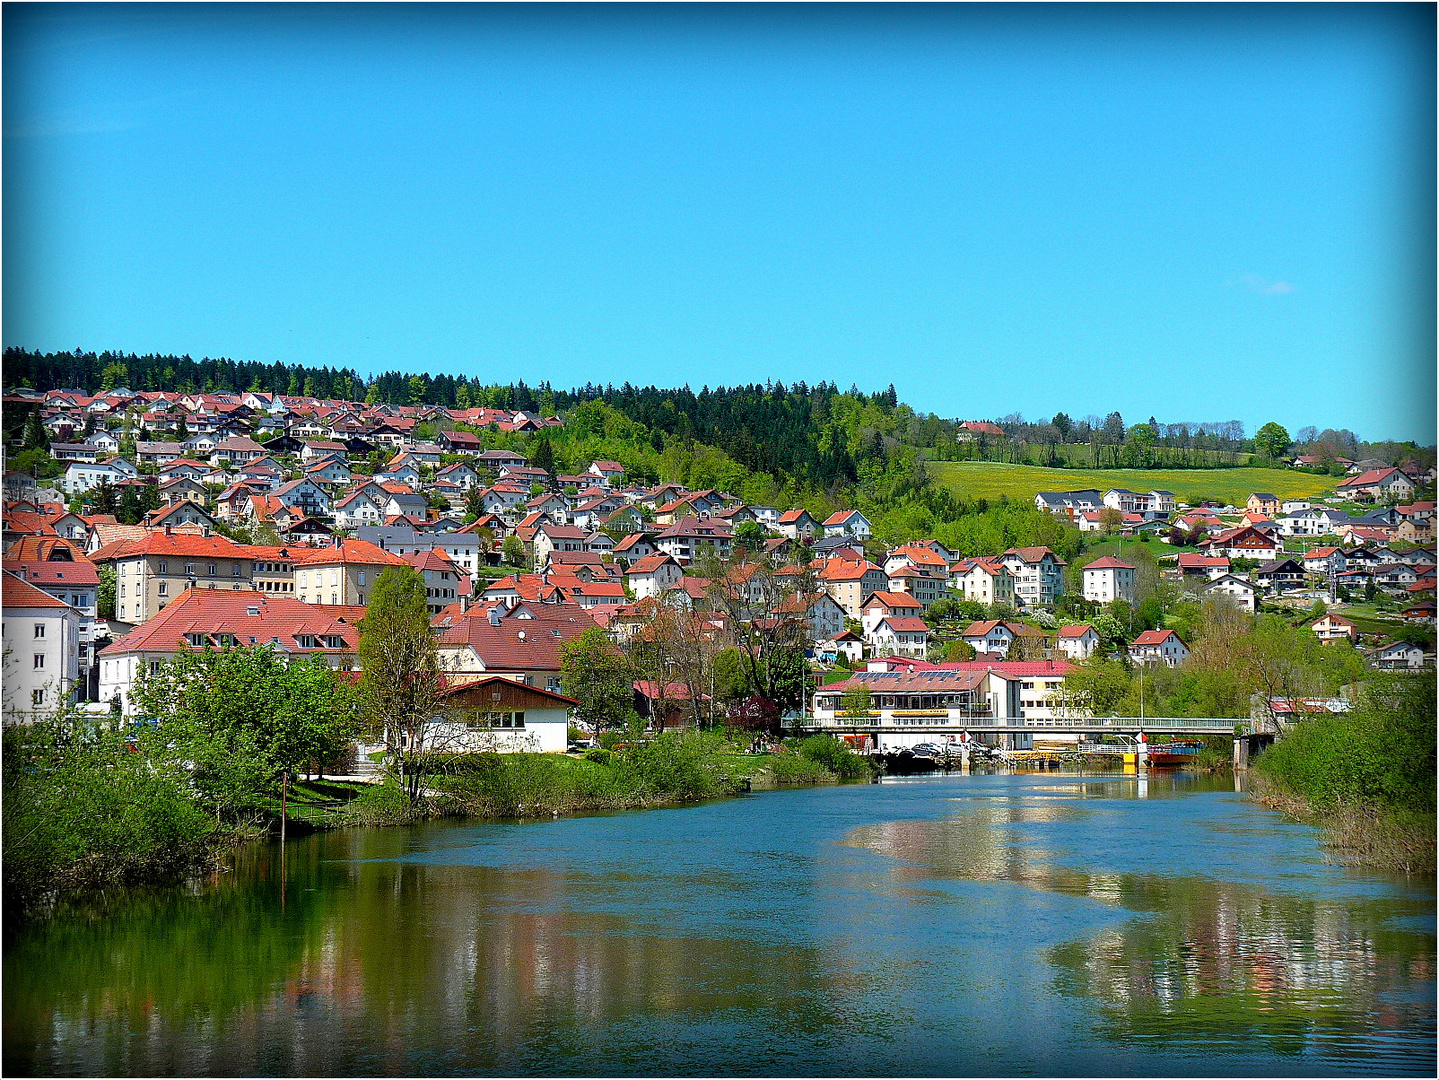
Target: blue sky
1197, 213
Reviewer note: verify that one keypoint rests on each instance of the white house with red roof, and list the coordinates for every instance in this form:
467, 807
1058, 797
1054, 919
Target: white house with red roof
201, 618
41, 636
653, 575
984, 580
1076, 642
848, 523
1381, 485
1158, 647
1330, 627
1109, 579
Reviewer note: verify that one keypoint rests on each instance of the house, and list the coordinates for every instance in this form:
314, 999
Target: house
1070, 503
1192, 565
497, 459
470, 444
632, 548
461, 474
996, 636
203, 618
848, 523
983, 580
689, 538
181, 512
236, 450
1331, 627
1422, 612
520, 640
797, 525
445, 581
610, 473
550, 538
342, 573
1263, 502
1109, 579
460, 547
1158, 647
496, 713
1281, 575
847, 644
970, 430
153, 570
1377, 485
849, 582
882, 605
653, 575
1038, 574
306, 497
42, 650
1236, 588
81, 477
1076, 642
1246, 542
1399, 656
899, 635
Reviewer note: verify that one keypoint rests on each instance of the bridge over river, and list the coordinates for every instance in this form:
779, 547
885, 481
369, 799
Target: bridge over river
1123, 726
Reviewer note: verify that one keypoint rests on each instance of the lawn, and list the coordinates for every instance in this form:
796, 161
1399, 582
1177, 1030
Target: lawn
991, 479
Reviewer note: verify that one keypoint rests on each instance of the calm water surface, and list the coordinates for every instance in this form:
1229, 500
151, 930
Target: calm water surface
943, 926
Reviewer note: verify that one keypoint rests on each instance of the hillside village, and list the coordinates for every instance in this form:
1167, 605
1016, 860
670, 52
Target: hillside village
265, 519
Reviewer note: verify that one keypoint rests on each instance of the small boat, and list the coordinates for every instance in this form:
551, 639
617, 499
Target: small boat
1172, 754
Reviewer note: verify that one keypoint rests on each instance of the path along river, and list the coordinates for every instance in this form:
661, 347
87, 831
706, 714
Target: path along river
963, 925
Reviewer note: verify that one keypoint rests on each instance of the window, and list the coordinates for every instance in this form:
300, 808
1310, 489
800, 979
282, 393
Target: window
362, 577
37, 697
212, 570
484, 720
39, 630
164, 588
189, 569
235, 570
155, 667
164, 567
39, 661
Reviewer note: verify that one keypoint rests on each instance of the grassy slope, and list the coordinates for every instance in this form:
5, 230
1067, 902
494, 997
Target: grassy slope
990, 480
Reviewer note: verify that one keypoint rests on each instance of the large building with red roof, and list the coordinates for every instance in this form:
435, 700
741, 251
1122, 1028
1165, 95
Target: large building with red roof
201, 618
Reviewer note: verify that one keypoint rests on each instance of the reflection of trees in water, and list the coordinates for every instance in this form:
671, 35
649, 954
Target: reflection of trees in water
395, 966
1214, 961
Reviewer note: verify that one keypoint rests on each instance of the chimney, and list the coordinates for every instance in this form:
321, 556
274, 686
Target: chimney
494, 615
464, 604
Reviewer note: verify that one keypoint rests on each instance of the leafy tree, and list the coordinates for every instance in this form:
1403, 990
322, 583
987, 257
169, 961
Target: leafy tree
600, 678
1272, 440
114, 375
1113, 429
1096, 687
244, 715
513, 551
856, 702
750, 534
958, 651
182, 431
400, 684
730, 684
105, 594
1064, 424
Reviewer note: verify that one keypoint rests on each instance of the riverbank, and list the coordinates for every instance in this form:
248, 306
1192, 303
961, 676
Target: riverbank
670, 770
1366, 777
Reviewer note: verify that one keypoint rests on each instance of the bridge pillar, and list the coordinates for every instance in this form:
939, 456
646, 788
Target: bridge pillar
1241, 753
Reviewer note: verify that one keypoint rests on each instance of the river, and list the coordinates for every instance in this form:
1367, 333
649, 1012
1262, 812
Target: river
1031, 924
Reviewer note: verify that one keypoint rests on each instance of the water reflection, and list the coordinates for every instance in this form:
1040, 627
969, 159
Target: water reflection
956, 926
1212, 962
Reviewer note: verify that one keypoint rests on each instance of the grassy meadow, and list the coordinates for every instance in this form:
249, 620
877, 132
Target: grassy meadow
991, 479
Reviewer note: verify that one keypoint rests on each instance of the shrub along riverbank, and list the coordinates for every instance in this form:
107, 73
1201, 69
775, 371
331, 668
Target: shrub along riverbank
89, 809
1367, 777
670, 769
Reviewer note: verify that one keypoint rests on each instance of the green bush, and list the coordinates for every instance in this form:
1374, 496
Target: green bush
1381, 753
797, 769
836, 756
599, 754
85, 810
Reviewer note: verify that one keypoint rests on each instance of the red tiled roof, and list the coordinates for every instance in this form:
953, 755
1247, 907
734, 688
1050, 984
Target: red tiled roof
1155, 637
1075, 631
219, 611
173, 543
1109, 562
21, 594
360, 552
906, 623
501, 647
893, 600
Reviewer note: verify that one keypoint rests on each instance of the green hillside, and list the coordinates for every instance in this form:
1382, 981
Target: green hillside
990, 480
